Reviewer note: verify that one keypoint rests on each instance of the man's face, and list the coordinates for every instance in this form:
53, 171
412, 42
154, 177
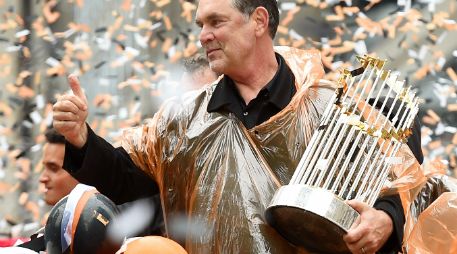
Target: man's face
198, 78
57, 182
227, 35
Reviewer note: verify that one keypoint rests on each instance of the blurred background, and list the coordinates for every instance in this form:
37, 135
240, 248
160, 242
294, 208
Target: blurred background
128, 55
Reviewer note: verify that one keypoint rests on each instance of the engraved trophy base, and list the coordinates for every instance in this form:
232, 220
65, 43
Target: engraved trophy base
311, 217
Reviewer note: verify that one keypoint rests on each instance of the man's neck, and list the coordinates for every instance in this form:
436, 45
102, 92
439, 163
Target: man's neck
257, 76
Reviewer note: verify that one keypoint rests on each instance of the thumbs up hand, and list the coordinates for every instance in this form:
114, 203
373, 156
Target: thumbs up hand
70, 114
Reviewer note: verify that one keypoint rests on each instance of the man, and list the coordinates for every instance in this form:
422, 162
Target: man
217, 157
197, 72
57, 182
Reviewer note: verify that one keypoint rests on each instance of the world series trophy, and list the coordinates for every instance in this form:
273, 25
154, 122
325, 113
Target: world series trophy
348, 157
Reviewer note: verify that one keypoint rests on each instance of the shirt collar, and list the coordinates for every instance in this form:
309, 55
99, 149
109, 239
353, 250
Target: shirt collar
280, 89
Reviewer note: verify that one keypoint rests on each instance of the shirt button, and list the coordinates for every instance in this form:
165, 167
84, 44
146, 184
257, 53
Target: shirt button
245, 113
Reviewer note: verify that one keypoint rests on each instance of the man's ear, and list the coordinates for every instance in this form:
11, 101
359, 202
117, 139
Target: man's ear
261, 19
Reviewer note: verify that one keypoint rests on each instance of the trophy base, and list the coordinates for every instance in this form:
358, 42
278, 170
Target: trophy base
311, 217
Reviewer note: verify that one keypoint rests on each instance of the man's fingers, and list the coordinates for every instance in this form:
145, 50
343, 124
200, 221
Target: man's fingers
360, 207
63, 126
76, 88
357, 248
73, 99
353, 235
72, 105
358, 228
65, 116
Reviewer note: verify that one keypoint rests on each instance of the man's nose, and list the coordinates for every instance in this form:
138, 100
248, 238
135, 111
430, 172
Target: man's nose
206, 35
44, 177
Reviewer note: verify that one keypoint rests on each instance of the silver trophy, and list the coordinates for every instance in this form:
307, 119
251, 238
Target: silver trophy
348, 157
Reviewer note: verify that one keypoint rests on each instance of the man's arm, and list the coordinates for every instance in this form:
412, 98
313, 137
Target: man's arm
392, 206
109, 169
92, 160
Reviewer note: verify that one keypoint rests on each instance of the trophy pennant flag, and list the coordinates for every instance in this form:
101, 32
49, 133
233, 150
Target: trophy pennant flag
348, 157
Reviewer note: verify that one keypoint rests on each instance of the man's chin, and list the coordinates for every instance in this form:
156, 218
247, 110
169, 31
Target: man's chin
216, 66
50, 201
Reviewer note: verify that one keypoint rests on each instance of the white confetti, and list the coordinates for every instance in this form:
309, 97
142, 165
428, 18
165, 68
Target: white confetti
40, 101
361, 47
36, 117
288, 6
295, 35
51, 61
22, 33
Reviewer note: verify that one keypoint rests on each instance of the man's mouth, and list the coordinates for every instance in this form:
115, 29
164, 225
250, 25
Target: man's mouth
209, 51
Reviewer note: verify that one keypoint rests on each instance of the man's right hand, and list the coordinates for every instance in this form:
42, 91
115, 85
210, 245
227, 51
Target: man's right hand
70, 114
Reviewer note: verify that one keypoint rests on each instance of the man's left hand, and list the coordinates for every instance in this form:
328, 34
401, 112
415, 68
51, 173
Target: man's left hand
370, 232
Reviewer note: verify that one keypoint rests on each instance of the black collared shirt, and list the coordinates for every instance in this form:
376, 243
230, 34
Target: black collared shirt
271, 99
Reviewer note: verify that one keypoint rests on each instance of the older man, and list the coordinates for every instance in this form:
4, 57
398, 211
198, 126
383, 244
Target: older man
218, 156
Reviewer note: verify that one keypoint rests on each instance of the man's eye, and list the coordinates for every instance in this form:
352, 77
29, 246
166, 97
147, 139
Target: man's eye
53, 168
216, 22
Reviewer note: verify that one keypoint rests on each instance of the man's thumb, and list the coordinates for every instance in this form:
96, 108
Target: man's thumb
76, 87
357, 205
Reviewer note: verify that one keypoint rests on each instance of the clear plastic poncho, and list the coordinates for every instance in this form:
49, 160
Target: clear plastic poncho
217, 178
430, 202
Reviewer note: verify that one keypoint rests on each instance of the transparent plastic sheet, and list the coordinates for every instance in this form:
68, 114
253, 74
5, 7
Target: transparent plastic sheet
429, 199
216, 178
432, 208
215, 182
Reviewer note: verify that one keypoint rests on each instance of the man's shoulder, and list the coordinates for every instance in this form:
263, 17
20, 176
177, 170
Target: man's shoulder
185, 105
306, 65
307, 53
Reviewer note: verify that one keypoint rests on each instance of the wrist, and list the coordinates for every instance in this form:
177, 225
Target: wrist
83, 136
80, 139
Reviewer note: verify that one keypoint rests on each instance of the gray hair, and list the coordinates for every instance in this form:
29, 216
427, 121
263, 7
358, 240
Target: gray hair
247, 7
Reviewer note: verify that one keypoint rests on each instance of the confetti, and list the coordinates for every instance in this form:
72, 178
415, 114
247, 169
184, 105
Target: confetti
129, 49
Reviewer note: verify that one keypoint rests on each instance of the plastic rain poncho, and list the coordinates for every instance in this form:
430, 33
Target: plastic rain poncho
216, 177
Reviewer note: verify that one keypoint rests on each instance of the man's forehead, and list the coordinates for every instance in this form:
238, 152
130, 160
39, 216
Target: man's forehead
212, 6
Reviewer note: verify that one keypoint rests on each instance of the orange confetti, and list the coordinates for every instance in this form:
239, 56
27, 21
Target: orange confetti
452, 107
434, 145
188, 9
190, 50
4, 188
79, 27
422, 72
351, 10
23, 198
126, 5
162, 3
339, 16
6, 110
103, 101
371, 4
290, 16
167, 22
51, 17
80, 3
451, 73
167, 45
428, 120
454, 139
433, 115
283, 30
